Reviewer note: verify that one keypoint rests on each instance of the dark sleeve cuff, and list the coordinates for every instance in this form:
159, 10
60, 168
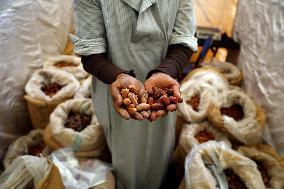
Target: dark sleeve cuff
99, 66
176, 59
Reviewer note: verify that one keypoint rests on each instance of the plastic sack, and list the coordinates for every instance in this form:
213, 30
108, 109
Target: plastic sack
68, 63
89, 142
220, 156
24, 144
249, 128
259, 29
41, 105
193, 135
31, 172
85, 88
229, 70
272, 162
205, 83
82, 173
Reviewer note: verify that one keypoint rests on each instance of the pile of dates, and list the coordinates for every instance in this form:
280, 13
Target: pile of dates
194, 102
235, 111
64, 64
148, 106
51, 89
77, 121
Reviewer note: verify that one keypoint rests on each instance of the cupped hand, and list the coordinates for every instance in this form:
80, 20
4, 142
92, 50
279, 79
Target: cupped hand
123, 81
164, 81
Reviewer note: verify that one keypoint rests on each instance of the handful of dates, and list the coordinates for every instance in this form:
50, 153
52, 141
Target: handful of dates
148, 106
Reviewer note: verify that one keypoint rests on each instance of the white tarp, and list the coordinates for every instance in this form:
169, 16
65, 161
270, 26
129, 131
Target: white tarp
29, 31
260, 29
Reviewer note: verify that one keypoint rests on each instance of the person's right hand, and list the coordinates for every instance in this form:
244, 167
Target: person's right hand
123, 81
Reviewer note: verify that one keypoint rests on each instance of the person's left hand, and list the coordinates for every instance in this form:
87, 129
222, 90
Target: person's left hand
163, 81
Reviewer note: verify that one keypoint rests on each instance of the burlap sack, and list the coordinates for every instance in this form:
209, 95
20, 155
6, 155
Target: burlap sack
31, 172
271, 161
206, 77
197, 175
76, 69
89, 142
249, 129
229, 70
21, 146
39, 104
189, 137
205, 97
206, 83
85, 88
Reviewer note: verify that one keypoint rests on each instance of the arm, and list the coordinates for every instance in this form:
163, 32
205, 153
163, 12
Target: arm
182, 42
90, 41
181, 46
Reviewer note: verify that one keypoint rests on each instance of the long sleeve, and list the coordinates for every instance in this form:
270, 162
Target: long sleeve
99, 66
182, 42
90, 41
176, 59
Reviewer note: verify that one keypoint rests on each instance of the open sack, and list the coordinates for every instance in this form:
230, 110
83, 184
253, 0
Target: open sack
212, 164
69, 63
74, 124
269, 163
198, 90
229, 70
237, 115
31, 144
195, 134
45, 90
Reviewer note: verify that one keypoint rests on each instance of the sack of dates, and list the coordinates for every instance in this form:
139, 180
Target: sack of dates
31, 144
196, 103
45, 90
269, 164
68, 63
214, 165
237, 115
85, 88
193, 135
199, 88
74, 124
229, 70
30, 172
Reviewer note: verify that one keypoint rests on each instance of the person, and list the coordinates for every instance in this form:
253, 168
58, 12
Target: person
130, 42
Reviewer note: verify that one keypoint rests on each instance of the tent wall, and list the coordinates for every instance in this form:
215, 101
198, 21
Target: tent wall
216, 13
260, 29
